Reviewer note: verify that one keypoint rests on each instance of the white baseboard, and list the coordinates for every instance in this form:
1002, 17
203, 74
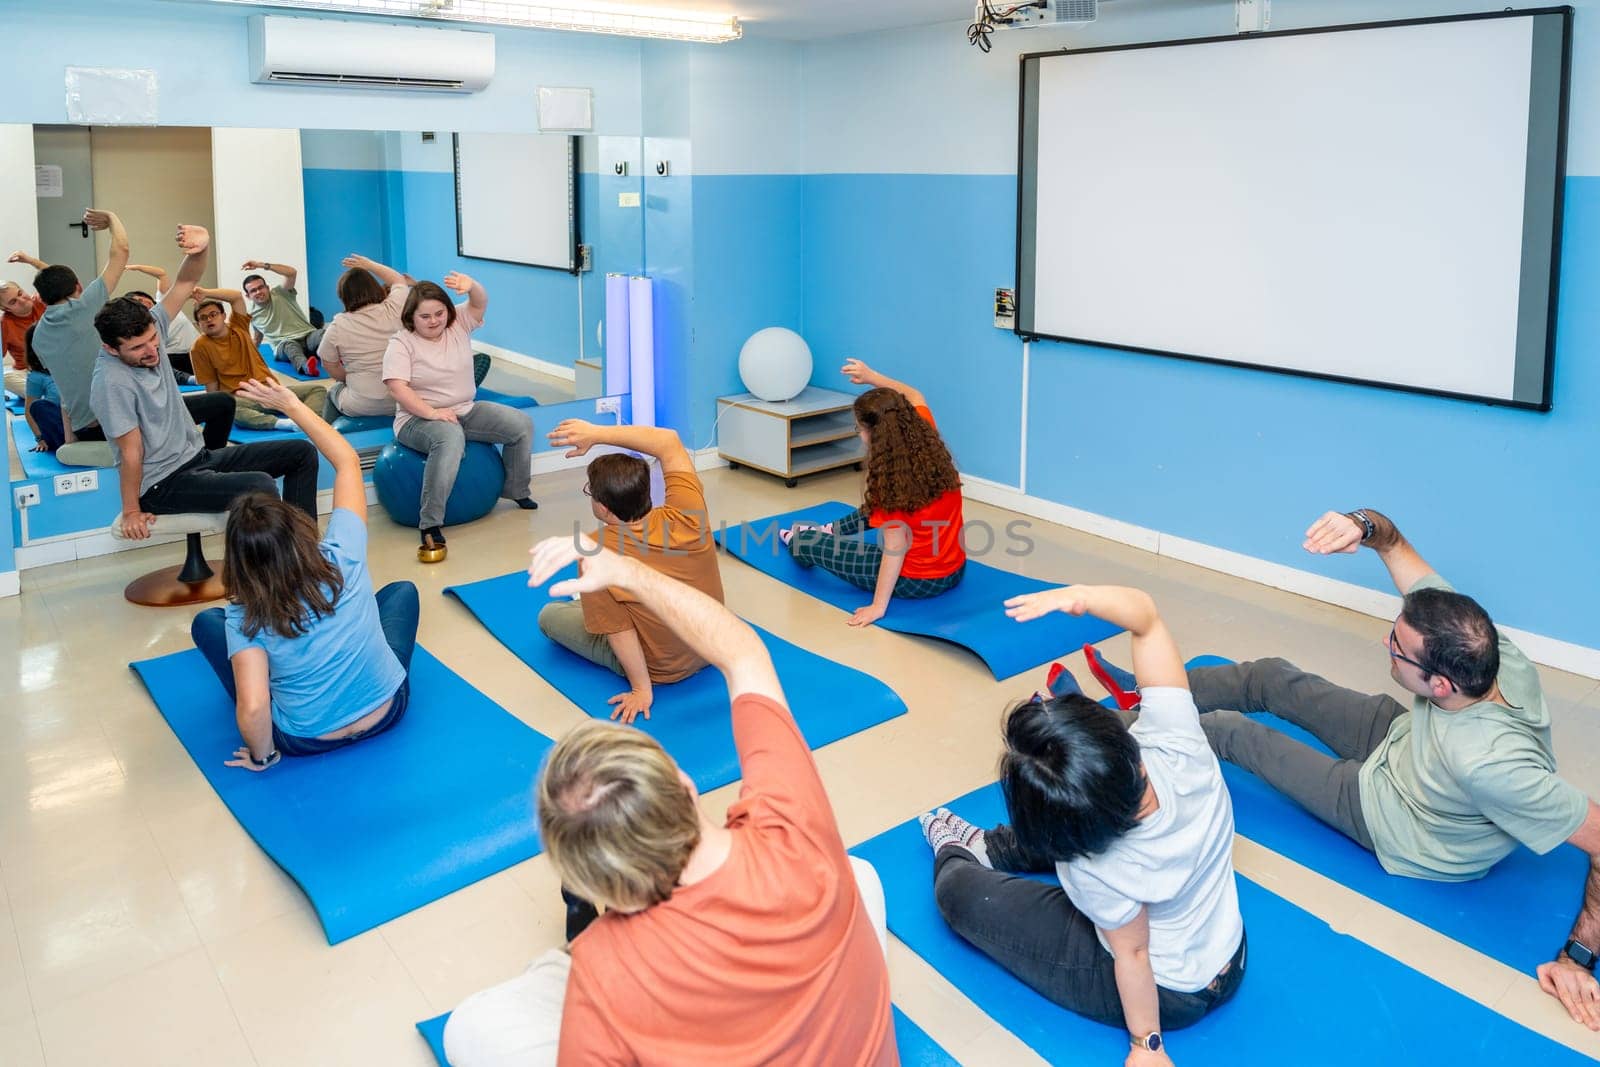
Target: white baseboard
10, 583
1550, 651
543, 366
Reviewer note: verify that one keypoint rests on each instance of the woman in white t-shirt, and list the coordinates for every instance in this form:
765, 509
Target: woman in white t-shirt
353, 345
428, 369
1143, 929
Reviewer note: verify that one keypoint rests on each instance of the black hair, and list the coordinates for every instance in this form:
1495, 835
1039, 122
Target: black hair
1072, 777
248, 278
140, 292
55, 283
34, 362
120, 320
1459, 641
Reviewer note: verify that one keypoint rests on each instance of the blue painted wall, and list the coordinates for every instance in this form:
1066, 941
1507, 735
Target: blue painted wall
346, 211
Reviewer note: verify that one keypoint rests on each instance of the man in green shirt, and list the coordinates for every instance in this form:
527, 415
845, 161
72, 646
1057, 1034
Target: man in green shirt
276, 315
1441, 790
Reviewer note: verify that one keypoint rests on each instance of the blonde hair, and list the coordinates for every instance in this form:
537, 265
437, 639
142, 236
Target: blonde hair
615, 817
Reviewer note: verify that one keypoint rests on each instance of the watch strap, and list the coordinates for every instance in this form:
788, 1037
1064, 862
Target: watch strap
1581, 954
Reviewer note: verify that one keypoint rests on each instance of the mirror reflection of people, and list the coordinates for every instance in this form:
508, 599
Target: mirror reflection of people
428, 369
1129, 811
353, 344
181, 333
276, 315
224, 358
312, 658
912, 497
19, 309
41, 404
163, 465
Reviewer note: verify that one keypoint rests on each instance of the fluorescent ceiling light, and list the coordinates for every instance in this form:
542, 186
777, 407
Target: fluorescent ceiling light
588, 18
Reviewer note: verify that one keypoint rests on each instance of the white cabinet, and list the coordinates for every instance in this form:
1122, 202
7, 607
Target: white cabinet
816, 431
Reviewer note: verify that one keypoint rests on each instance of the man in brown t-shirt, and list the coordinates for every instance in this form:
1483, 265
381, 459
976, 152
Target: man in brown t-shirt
610, 627
225, 357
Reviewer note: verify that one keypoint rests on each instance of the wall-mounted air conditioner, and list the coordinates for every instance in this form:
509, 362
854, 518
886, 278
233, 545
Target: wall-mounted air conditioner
368, 55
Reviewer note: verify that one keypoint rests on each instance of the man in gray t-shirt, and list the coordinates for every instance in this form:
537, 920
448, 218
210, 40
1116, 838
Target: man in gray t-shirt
65, 337
163, 467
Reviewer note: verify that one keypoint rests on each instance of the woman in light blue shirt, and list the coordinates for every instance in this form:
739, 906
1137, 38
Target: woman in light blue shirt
313, 659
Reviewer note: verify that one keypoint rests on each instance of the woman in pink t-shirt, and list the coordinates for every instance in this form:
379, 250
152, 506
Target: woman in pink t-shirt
428, 369
353, 345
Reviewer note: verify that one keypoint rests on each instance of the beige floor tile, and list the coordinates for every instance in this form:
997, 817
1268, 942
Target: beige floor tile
19, 1043
303, 1002
169, 1015
15, 1001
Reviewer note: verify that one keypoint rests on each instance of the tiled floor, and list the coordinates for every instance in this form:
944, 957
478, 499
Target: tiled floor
139, 925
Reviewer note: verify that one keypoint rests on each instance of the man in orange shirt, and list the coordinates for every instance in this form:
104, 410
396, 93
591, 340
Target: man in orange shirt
19, 309
744, 942
225, 357
608, 627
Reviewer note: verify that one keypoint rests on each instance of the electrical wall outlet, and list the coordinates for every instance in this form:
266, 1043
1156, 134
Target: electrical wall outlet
26, 496
1005, 309
88, 481
585, 258
608, 405
65, 483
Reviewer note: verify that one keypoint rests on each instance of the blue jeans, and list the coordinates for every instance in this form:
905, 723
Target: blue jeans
398, 610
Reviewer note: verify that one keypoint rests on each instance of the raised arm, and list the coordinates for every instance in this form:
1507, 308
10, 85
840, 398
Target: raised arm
152, 271
1156, 660
1574, 985
386, 275
195, 244
348, 490
232, 297
117, 260
578, 436
477, 297
1346, 532
861, 374
716, 634
283, 270
20, 256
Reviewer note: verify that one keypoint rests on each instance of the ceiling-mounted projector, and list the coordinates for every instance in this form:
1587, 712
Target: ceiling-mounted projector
1041, 14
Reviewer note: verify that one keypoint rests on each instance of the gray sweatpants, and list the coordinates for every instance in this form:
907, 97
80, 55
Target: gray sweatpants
1352, 724
444, 443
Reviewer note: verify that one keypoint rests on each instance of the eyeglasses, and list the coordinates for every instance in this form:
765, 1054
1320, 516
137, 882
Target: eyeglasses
586, 490
1395, 653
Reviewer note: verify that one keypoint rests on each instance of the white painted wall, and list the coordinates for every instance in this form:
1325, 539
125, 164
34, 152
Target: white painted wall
19, 214
260, 203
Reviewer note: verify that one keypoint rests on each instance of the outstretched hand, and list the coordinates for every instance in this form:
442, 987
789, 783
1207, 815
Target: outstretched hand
242, 758
271, 394
192, 240
356, 259
1575, 987
857, 371
96, 219
575, 435
457, 282
1334, 532
599, 568
1068, 599
630, 705
19, 256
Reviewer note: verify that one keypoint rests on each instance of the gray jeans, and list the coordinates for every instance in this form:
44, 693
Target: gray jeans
298, 350
444, 443
1352, 724
562, 622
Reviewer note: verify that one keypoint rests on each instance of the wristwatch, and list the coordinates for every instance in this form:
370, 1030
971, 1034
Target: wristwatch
1581, 954
272, 757
1368, 528
1150, 1042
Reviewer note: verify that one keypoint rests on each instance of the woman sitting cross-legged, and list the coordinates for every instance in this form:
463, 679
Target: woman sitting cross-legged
312, 659
1144, 929
354, 343
913, 496
428, 368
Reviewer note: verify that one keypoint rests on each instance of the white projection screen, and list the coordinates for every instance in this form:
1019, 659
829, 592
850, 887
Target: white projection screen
1377, 204
516, 198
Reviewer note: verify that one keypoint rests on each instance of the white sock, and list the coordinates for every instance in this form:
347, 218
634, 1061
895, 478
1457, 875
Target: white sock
285, 424
942, 828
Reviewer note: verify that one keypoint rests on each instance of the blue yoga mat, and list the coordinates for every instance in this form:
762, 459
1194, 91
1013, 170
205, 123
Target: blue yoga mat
510, 400
1310, 995
376, 829
1519, 913
689, 718
35, 464
917, 1049
972, 614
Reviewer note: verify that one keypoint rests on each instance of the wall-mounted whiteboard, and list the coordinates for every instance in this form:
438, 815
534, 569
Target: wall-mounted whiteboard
516, 198
1376, 203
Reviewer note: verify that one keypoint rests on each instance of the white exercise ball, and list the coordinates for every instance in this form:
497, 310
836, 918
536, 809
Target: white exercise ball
775, 364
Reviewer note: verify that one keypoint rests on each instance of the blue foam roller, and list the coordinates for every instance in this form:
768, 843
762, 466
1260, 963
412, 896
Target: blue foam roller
690, 717
397, 477
375, 829
971, 615
917, 1049
1336, 999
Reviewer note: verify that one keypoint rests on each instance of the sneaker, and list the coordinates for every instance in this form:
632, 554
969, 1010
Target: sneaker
314, 367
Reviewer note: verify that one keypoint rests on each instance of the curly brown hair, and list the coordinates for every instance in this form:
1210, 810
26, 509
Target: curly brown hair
908, 465
273, 567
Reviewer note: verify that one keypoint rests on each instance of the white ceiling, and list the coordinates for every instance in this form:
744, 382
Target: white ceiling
801, 20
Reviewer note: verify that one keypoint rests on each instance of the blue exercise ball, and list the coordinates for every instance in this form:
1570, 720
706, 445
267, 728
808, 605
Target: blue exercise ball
397, 477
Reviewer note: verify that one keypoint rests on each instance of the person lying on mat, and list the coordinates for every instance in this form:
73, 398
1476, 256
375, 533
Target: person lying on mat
749, 940
913, 496
1131, 814
1442, 790
312, 658
608, 627
276, 315
352, 349
428, 369
224, 358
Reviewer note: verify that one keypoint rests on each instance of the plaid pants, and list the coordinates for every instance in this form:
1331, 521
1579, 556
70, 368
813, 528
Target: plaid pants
846, 554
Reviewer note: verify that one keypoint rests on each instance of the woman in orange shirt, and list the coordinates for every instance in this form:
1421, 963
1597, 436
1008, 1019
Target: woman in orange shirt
913, 495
